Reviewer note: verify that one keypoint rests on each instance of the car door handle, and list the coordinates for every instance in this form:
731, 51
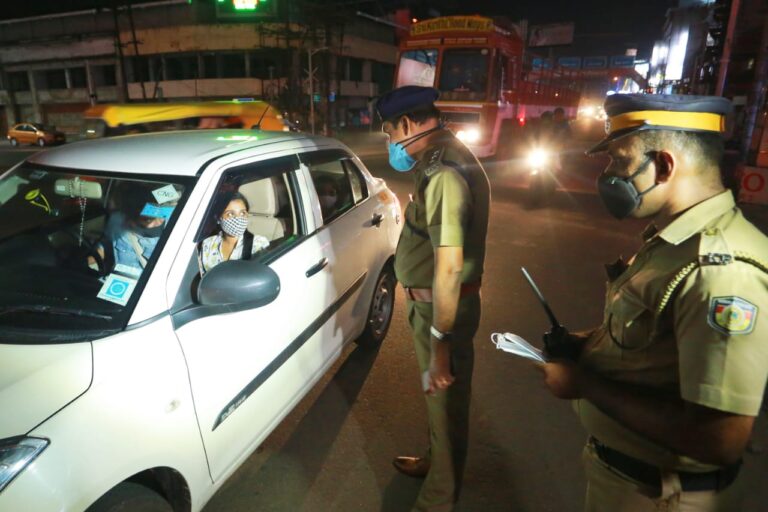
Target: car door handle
376, 219
314, 269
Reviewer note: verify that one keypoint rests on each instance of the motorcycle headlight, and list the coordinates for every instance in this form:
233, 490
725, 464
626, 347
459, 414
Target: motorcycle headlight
538, 157
16, 453
469, 136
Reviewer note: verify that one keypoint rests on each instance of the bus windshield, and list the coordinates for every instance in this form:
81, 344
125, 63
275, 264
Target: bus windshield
417, 67
464, 74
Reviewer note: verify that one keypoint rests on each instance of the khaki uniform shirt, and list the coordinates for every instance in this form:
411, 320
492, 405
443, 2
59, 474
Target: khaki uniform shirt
449, 208
684, 318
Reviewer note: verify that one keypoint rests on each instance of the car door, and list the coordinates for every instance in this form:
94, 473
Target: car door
25, 134
249, 365
350, 235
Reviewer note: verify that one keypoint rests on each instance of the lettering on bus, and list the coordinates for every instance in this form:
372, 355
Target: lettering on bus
458, 23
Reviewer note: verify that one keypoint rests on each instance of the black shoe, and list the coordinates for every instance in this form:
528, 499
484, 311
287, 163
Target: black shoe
416, 467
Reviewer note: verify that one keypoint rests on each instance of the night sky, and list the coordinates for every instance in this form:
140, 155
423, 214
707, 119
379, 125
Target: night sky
602, 26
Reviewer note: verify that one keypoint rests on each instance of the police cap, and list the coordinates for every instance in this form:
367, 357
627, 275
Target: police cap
630, 113
404, 100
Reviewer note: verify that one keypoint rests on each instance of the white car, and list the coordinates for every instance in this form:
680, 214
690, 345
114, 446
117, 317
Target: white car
130, 374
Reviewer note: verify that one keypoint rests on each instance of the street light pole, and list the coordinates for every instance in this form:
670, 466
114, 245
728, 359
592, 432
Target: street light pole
311, 73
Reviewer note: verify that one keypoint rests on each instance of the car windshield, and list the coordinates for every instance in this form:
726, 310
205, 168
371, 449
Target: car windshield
76, 249
417, 67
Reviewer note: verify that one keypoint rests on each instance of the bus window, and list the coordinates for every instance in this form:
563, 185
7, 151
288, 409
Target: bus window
464, 74
417, 67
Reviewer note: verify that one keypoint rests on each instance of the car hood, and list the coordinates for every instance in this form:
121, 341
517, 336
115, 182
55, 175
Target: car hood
38, 380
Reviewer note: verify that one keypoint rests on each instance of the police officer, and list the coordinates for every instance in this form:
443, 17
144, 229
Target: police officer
439, 262
669, 385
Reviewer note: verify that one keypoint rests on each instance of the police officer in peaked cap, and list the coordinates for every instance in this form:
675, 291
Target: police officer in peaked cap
669, 385
439, 262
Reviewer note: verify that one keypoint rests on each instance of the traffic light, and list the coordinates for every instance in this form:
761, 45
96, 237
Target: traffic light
239, 9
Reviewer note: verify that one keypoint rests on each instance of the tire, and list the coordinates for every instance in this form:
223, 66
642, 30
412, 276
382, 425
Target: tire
14, 142
131, 497
41, 142
381, 310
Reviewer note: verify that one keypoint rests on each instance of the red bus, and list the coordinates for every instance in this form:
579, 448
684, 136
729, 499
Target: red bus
487, 89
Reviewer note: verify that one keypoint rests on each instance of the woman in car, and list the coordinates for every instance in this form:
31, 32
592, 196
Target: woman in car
233, 241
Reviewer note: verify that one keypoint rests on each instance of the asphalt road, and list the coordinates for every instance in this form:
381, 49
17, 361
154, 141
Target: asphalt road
334, 451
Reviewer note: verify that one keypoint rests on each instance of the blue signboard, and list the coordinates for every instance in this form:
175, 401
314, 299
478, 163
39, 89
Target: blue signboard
569, 62
622, 61
595, 62
539, 63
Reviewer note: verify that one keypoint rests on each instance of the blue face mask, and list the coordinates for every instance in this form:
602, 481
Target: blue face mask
399, 158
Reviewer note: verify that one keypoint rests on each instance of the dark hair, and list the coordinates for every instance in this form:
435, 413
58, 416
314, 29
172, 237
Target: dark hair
559, 110
223, 201
708, 146
419, 116
133, 197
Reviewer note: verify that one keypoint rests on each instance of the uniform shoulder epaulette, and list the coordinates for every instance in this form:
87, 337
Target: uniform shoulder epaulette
713, 250
434, 159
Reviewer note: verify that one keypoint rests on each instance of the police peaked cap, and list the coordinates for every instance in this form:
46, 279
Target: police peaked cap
630, 113
404, 100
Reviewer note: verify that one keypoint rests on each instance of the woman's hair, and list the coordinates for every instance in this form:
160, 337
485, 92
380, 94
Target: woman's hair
223, 201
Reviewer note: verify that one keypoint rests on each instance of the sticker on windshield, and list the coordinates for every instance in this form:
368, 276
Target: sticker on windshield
37, 198
126, 269
166, 194
37, 175
152, 210
117, 289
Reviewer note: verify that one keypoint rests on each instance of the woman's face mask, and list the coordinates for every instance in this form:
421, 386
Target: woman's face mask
234, 226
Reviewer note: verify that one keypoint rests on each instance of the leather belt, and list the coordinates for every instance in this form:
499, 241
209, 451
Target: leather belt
425, 294
650, 475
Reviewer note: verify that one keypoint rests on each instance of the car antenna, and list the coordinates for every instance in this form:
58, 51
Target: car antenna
258, 124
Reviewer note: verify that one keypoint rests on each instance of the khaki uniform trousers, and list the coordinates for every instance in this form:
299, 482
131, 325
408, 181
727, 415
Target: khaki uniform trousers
610, 491
447, 410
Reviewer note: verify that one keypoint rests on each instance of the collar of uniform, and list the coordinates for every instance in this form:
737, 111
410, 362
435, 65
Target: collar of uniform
694, 220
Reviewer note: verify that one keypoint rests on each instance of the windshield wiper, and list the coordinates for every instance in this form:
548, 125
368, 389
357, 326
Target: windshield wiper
53, 310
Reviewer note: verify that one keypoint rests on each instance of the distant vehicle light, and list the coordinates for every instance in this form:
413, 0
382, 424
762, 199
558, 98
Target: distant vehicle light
469, 136
538, 157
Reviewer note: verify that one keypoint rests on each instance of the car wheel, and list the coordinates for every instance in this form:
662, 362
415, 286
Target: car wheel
14, 142
381, 310
131, 497
41, 142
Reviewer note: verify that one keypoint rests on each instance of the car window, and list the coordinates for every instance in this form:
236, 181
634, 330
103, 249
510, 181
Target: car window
77, 247
359, 190
338, 187
260, 199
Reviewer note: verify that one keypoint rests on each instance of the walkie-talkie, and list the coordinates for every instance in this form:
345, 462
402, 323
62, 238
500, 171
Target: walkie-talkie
556, 342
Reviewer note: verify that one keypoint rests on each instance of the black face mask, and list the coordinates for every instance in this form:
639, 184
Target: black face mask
619, 195
154, 232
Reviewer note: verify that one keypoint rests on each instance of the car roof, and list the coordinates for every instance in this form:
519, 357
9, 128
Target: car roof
178, 153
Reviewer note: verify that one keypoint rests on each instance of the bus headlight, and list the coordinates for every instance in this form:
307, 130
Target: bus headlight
16, 453
468, 136
538, 158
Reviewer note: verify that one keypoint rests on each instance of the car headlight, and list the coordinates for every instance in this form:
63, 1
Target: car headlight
16, 453
538, 158
469, 136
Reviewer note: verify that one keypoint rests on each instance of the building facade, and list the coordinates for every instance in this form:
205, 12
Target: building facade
54, 67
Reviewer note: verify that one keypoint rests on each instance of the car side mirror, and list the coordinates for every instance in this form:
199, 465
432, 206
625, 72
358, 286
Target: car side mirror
239, 283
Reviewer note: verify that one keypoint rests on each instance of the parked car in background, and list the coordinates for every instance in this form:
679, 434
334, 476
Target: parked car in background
138, 380
35, 133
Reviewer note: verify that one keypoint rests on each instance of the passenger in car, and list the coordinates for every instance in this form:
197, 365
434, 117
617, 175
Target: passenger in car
233, 241
327, 195
134, 230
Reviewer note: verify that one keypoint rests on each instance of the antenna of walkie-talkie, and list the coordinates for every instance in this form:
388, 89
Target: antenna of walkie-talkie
544, 304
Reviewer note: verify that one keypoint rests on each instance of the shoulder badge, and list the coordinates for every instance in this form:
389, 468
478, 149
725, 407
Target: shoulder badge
433, 160
732, 315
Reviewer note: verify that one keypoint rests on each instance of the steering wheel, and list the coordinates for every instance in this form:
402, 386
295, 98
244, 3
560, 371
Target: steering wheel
91, 249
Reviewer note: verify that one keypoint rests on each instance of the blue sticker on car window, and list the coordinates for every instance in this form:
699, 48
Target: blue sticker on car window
153, 210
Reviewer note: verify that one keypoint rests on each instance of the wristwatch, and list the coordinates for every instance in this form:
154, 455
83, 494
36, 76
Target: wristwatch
440, 336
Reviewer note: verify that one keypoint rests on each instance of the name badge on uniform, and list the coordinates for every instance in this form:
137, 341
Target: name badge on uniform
732, 315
